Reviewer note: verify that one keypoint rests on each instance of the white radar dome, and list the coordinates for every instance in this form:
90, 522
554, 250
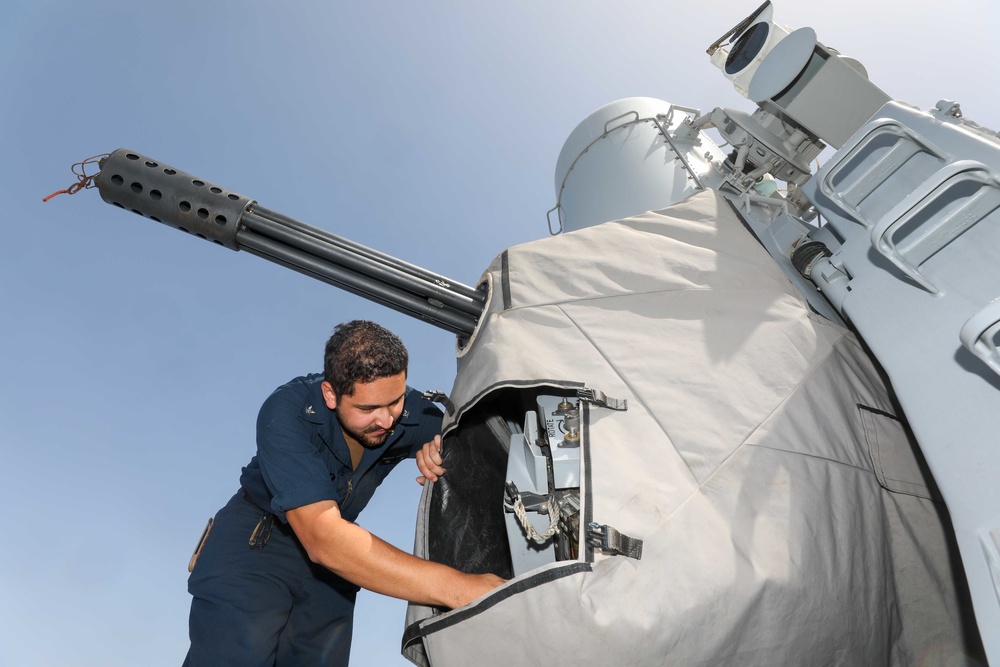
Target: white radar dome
617, 163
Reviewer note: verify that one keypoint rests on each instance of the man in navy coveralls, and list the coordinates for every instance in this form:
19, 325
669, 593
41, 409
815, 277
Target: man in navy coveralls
276, 579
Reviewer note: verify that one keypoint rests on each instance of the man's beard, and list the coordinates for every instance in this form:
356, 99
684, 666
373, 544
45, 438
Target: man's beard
366, 439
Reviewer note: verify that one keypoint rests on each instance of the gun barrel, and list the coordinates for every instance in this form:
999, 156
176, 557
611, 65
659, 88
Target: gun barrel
175, 198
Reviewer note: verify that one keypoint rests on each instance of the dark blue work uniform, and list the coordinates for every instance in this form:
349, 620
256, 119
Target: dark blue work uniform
266, 603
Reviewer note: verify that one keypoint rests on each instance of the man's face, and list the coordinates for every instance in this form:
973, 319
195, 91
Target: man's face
369, 413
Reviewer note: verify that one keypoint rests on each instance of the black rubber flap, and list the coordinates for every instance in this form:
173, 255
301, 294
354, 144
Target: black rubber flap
466, 524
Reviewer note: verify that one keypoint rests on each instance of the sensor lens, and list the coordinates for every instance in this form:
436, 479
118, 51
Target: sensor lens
747, 48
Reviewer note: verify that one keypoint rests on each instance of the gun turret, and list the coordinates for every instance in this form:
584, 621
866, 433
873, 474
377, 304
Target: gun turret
159, 192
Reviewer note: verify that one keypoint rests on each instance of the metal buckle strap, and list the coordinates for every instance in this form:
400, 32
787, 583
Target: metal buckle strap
609, 540
439, 396
601, 400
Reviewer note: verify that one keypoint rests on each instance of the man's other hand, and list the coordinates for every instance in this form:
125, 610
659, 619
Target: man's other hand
429, 461
478, 585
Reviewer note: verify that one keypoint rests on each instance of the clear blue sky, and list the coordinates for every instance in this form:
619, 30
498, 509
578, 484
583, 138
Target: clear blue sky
133, 358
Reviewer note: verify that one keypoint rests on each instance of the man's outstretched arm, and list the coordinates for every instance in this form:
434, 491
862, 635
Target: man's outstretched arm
363, 559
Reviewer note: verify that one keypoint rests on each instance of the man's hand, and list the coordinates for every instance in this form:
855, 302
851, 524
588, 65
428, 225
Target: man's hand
478, 585
429, 461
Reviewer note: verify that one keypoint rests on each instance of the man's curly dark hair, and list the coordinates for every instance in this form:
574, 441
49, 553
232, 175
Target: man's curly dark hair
362, 351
